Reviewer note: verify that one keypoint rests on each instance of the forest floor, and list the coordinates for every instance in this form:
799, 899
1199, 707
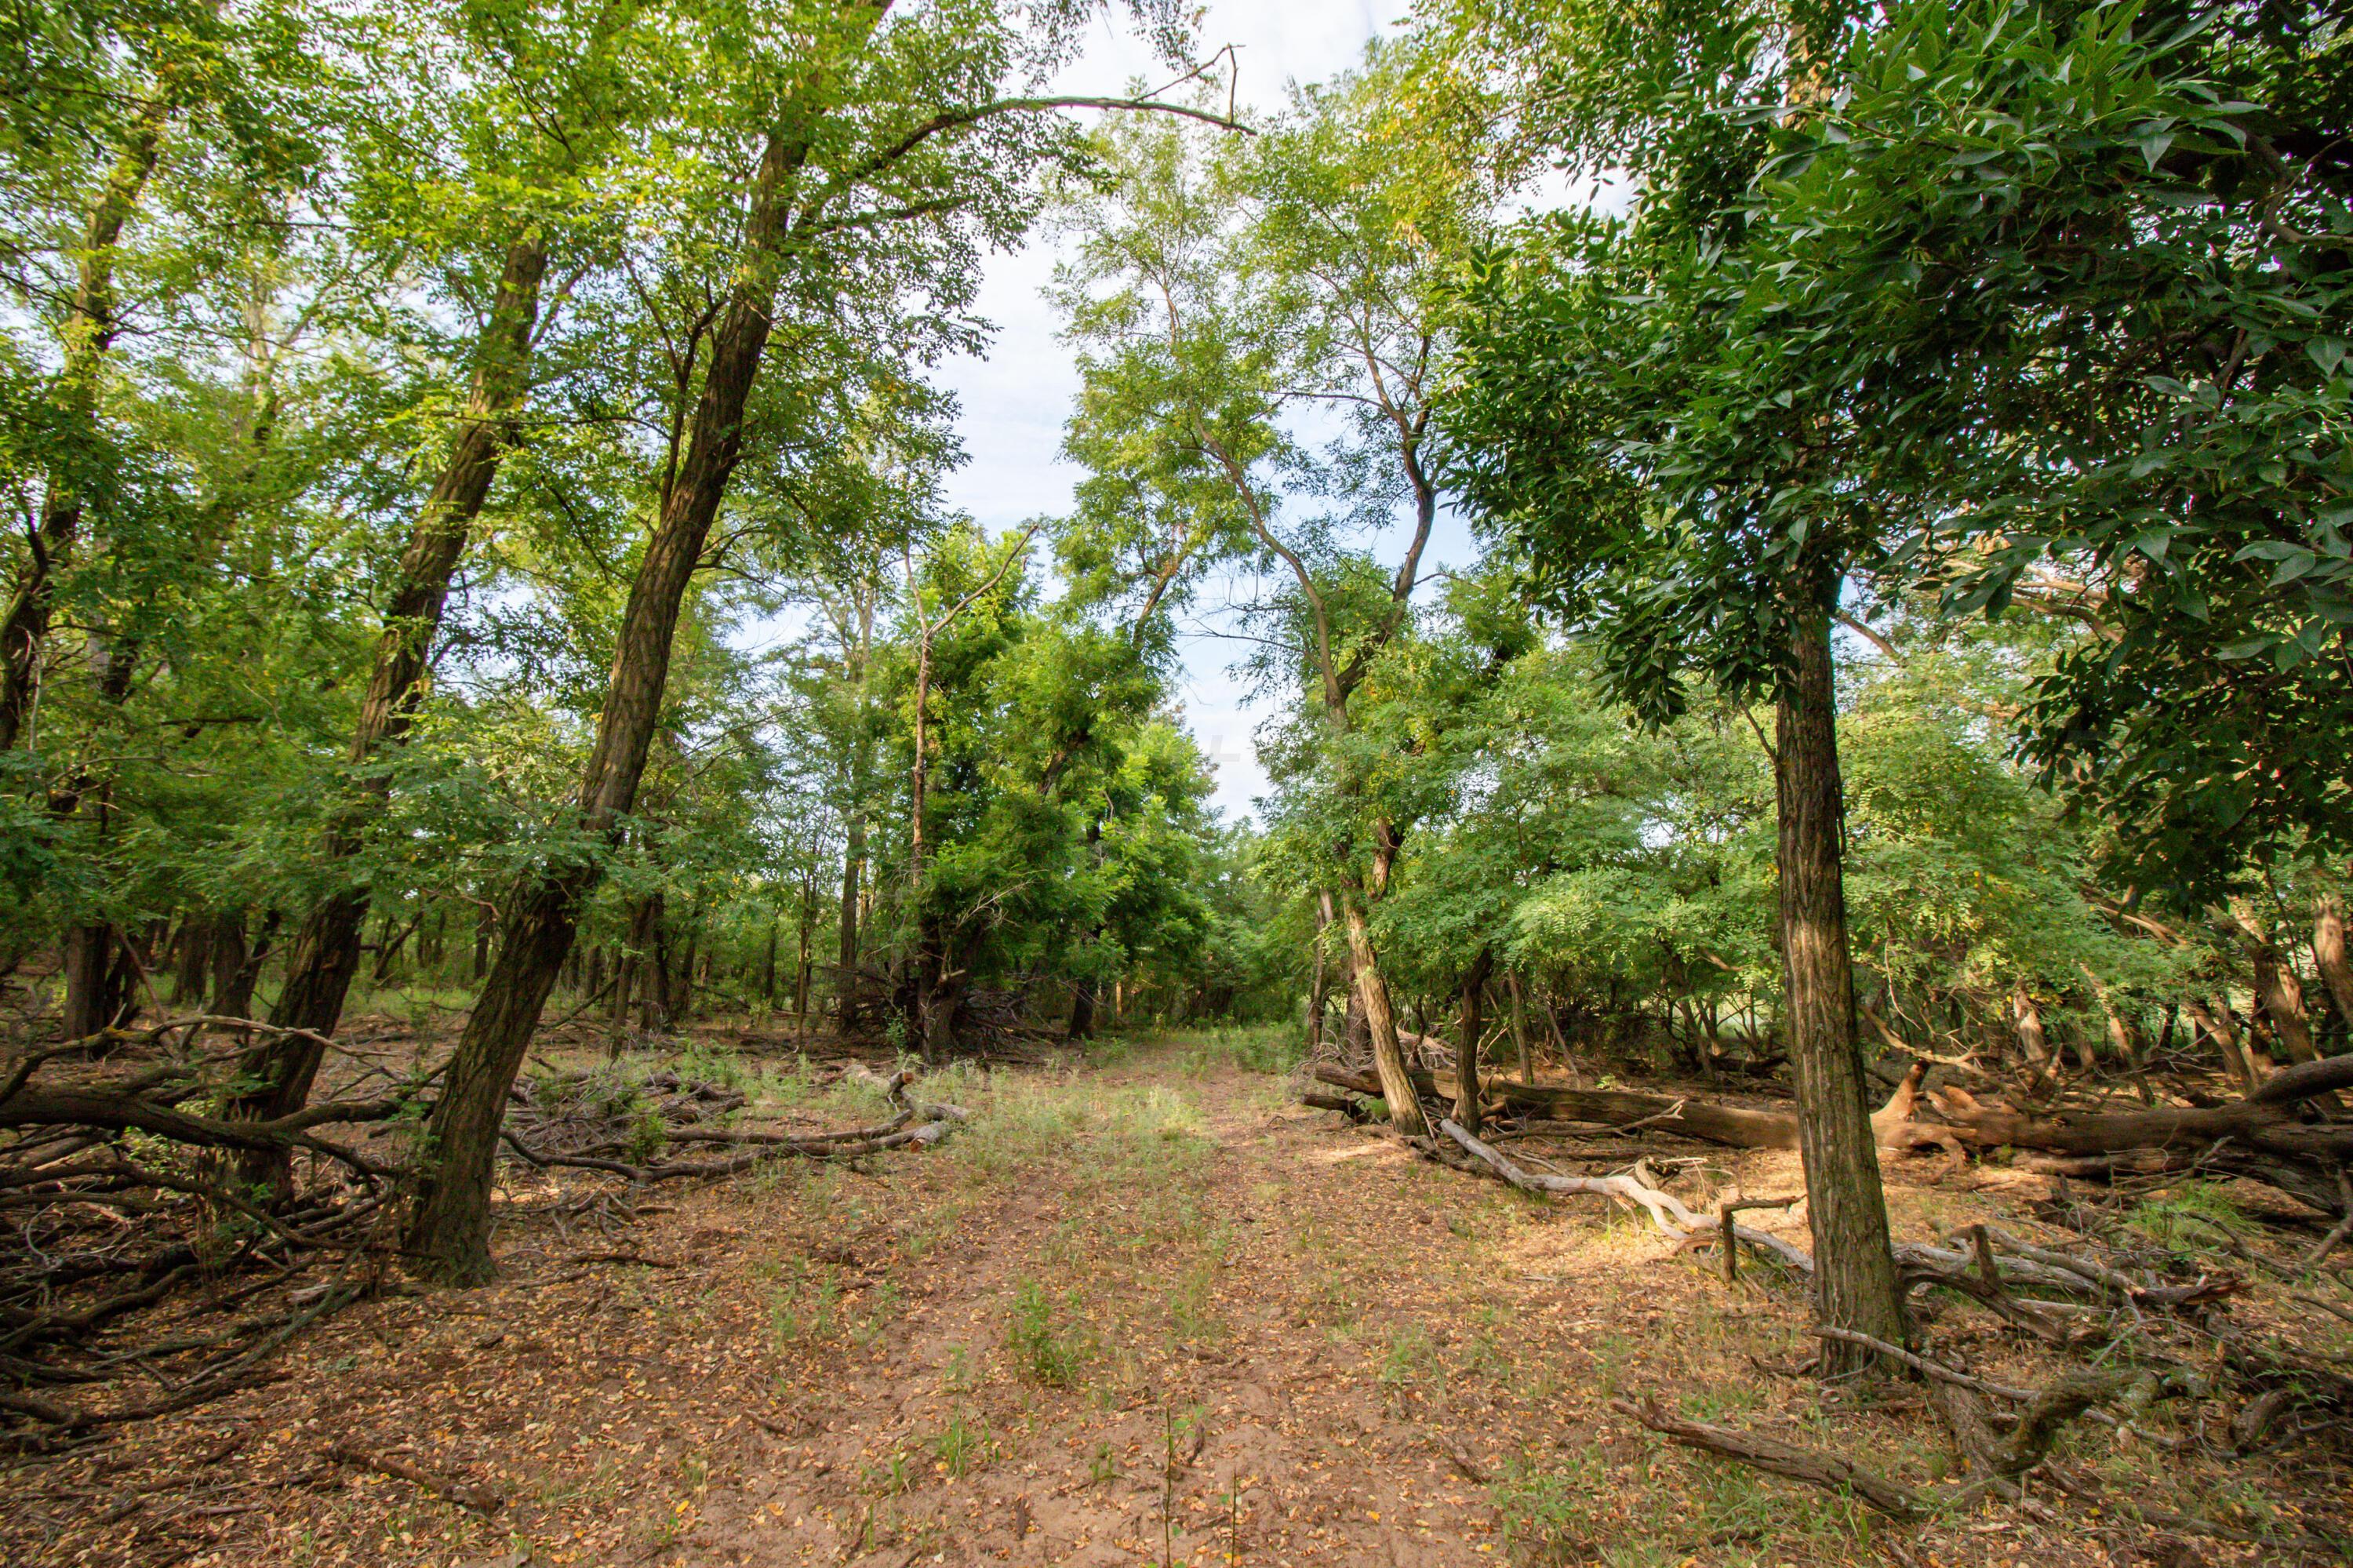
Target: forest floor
1141, 1310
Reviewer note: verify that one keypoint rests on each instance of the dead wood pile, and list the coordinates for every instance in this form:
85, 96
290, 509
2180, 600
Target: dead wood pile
2132, 1327
146, 1268
2272, 1135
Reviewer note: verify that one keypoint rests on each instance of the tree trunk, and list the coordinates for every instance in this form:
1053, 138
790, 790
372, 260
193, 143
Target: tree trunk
1316, 987
1520, 1028
681, 996
2237, 1060
188, 985
326, 950
485, 923
447, 1234
768, 966
1854, 1280
1388, 1058
617, 1021
1082, 1011
845, 1003
1466, 1049
2283, 1001
235, 994
2027, 1017
653, 969
92, 1002
803, 959
227, 946
2329, 957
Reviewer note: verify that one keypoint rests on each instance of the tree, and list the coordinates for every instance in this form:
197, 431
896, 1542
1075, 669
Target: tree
905, 115
524, 158
1617, 418
1223, 296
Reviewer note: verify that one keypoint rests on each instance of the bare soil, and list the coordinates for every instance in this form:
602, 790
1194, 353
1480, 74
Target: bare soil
1142, 1310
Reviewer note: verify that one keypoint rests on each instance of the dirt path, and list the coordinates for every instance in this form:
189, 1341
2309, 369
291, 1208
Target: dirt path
1145, 1313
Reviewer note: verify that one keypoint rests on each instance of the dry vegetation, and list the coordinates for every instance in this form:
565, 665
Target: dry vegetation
1144, 1308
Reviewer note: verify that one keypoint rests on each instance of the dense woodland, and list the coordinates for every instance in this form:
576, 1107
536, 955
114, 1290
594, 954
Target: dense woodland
1794, 549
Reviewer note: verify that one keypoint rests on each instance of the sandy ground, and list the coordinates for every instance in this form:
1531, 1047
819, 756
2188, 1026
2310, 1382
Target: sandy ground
1141, 1312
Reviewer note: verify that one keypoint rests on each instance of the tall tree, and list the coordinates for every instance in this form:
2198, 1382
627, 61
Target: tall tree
924, 155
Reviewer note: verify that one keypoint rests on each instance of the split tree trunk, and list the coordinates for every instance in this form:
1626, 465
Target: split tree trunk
1854, 1282
447, 1234
2283, 1001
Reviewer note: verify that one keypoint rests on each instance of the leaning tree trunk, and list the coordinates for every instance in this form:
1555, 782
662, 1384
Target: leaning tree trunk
326, 951
1855, 1279
1373, 991
447, 1234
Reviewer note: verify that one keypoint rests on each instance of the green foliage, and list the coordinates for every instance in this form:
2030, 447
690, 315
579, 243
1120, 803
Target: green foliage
1044, 1350
1914, 339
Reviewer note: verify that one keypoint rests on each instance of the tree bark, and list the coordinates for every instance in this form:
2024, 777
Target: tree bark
188, 986
1373, 991
2237, 1059
1520, 1028
2329, 955
2026, 1017
233, 995
1466, 1049
1315, 984
94, 999
2283, 1001
1854, 1282
326, 951
846, 987
447, 1234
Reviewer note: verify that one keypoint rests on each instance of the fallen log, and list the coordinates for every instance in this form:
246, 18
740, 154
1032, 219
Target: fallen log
2261, 1135
1621, 1110
1616, 1108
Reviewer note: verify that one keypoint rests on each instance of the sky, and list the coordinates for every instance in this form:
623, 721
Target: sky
1016, 396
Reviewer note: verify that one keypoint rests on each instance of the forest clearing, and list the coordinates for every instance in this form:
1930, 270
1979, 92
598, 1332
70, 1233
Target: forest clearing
1143, 1308
632, 931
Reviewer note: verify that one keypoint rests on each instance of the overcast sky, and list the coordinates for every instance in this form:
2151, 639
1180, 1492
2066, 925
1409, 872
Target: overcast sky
1017, 396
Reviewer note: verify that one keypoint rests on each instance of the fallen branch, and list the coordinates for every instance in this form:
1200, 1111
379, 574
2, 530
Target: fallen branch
1667, 1212
481, 1499
1809, 1465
